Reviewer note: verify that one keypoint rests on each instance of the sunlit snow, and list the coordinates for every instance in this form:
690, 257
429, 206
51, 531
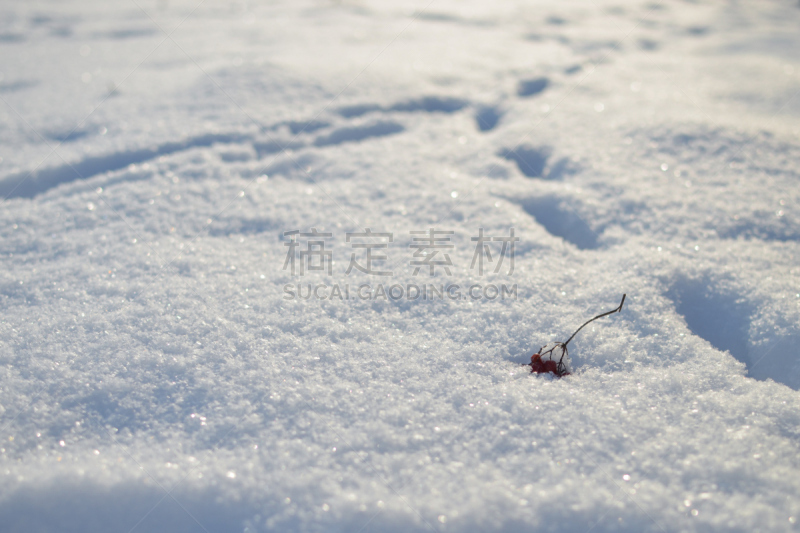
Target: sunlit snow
279, 266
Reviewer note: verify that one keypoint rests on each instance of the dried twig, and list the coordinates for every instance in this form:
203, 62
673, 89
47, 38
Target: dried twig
540, 365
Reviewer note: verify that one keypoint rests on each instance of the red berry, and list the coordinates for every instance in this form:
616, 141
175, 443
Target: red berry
543, 367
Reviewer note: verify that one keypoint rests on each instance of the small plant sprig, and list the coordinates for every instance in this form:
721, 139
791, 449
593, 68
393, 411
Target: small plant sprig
554, 358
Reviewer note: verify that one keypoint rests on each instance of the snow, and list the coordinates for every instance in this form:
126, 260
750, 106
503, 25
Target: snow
156, 374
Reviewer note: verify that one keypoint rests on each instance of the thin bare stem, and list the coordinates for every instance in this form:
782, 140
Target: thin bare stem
617, 310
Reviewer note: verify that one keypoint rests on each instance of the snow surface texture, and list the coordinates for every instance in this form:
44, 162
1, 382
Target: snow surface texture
154, 377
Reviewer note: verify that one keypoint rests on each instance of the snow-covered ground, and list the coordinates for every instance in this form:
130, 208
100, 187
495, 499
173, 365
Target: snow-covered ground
160, 369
